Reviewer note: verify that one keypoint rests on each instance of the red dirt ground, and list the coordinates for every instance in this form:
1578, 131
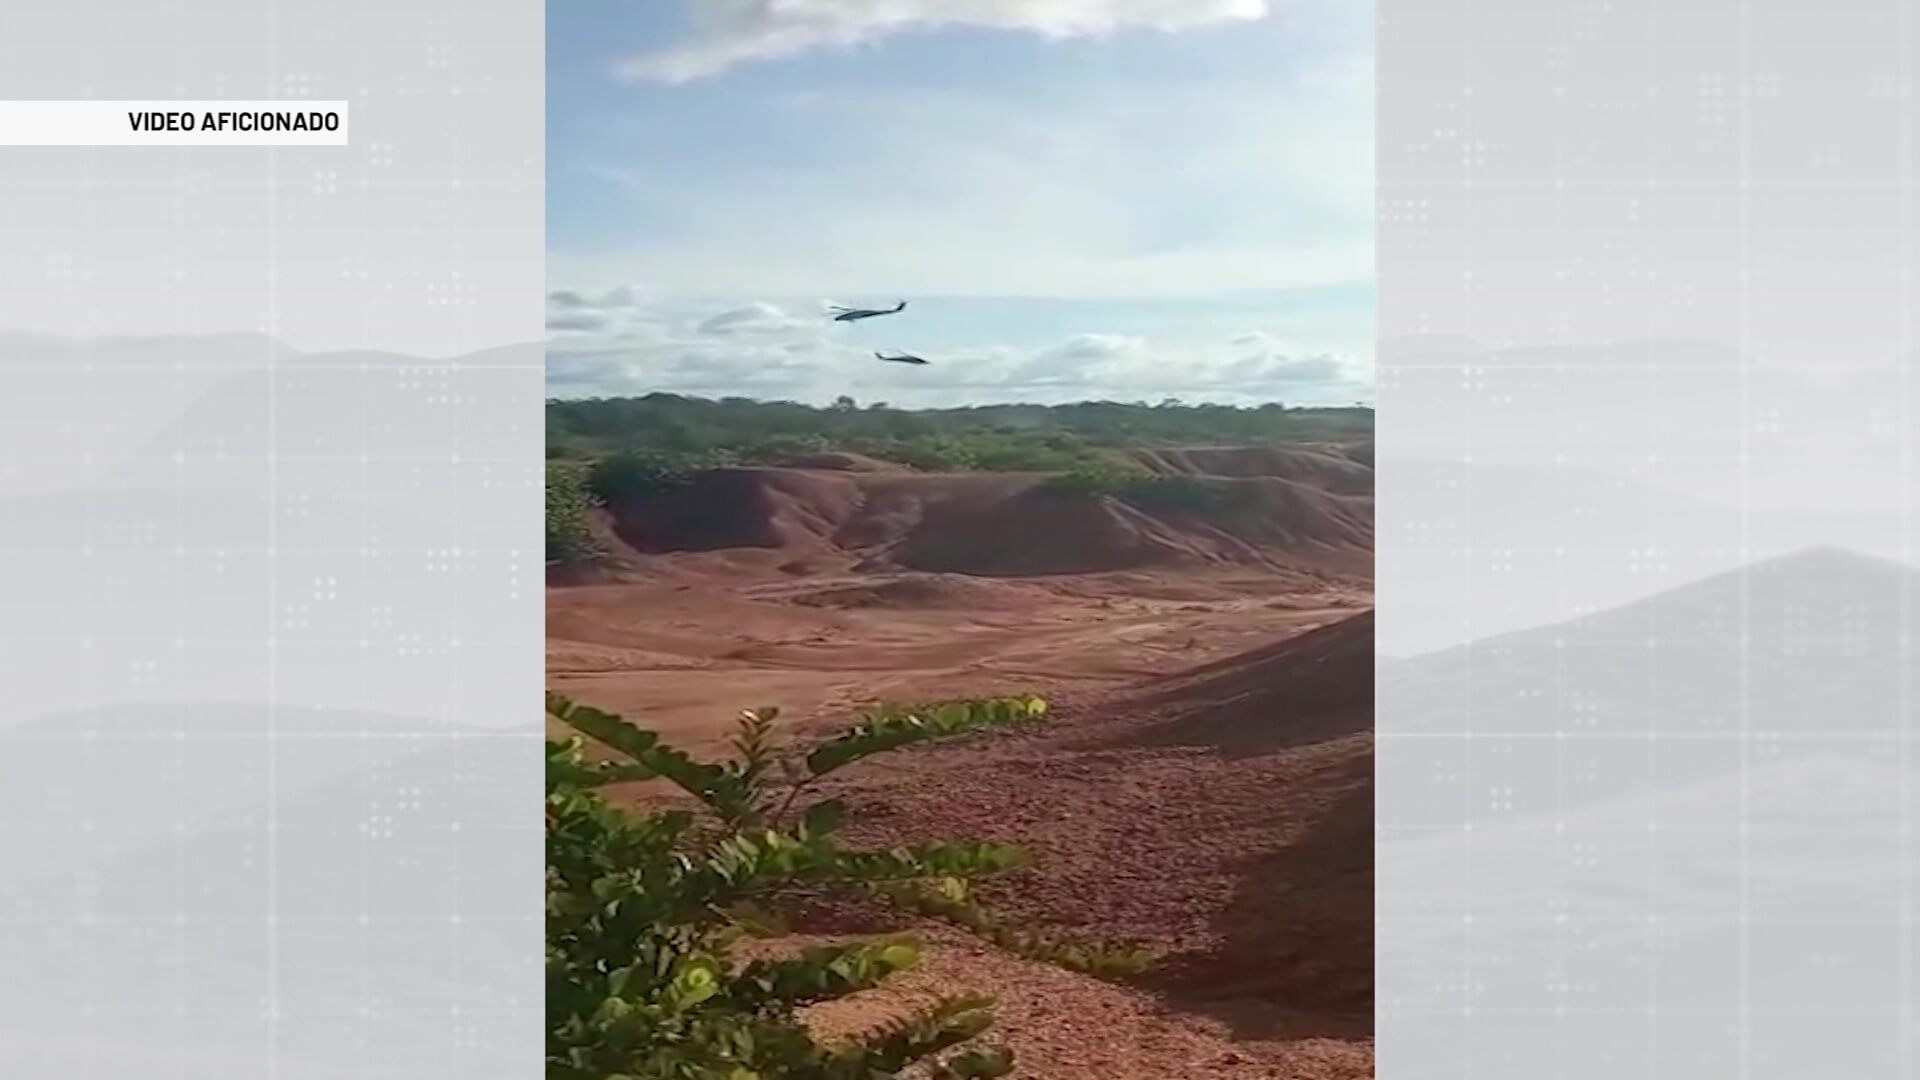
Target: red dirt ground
1204, 787
1303, 512
1222, 818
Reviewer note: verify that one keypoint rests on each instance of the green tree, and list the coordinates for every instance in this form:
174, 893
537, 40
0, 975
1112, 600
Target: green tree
569, 538
1097, 476
690, 426
643, 908
632, 473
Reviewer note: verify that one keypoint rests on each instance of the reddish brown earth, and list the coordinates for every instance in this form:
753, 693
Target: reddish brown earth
1306, 511
1223, 818
1204, 787
1341, 470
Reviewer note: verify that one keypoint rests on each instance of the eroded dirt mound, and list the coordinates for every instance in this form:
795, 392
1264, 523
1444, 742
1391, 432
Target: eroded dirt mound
895, 507
614, 559
739, 508
1328, 471
1245, 863
800, 510
1000, 524
1219, 813
1270, 514
1040, 532
1311, 688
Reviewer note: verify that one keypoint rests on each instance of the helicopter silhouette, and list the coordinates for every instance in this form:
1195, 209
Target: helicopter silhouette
902, 358
847, 314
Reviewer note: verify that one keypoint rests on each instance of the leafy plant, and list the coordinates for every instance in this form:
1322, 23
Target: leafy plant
568, 503
1189, 493
1133, 483
1020, 438
951, 901
1100, 477
631, 473
644, 907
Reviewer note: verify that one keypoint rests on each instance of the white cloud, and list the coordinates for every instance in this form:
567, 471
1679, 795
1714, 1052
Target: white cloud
619, 296
1189, 183
1082, 360
1268, 370
755, 318
1096, 347
732, 32
620, 313
669, 346
1265, 359
580, 320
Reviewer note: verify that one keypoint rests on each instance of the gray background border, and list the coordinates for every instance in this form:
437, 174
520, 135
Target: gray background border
1646, 563
270, 575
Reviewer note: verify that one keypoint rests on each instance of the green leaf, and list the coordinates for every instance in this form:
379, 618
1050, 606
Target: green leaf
900, 955
725, 792
696, 982
889, 1048
948, 901
756, 919
644, 907
823, 818
976, 1065
890, 730
605, 727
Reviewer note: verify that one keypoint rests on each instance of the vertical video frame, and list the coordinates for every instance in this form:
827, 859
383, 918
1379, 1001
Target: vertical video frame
960, 526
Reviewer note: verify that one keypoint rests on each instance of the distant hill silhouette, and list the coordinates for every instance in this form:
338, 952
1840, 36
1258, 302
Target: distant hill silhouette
1806, 654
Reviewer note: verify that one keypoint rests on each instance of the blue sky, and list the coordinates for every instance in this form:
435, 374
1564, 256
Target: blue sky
1126, 199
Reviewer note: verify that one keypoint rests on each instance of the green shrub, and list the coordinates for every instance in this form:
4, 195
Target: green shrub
1022, 455
569, 540
933, 453
1177, 493
1098, 476
1132, 483
643, 908
781, 447
689, 425
632, 473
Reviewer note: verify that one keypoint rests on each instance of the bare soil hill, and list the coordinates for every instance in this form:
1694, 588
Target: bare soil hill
1014, 524
800, 510
1259, 521
1205, 786
1329, 470
1222, 813
1301, 690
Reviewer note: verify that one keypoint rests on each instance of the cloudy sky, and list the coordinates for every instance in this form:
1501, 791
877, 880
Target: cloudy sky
1128, 199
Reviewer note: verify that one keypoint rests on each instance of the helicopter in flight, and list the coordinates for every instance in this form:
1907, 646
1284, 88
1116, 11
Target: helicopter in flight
900, 358
847, 314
